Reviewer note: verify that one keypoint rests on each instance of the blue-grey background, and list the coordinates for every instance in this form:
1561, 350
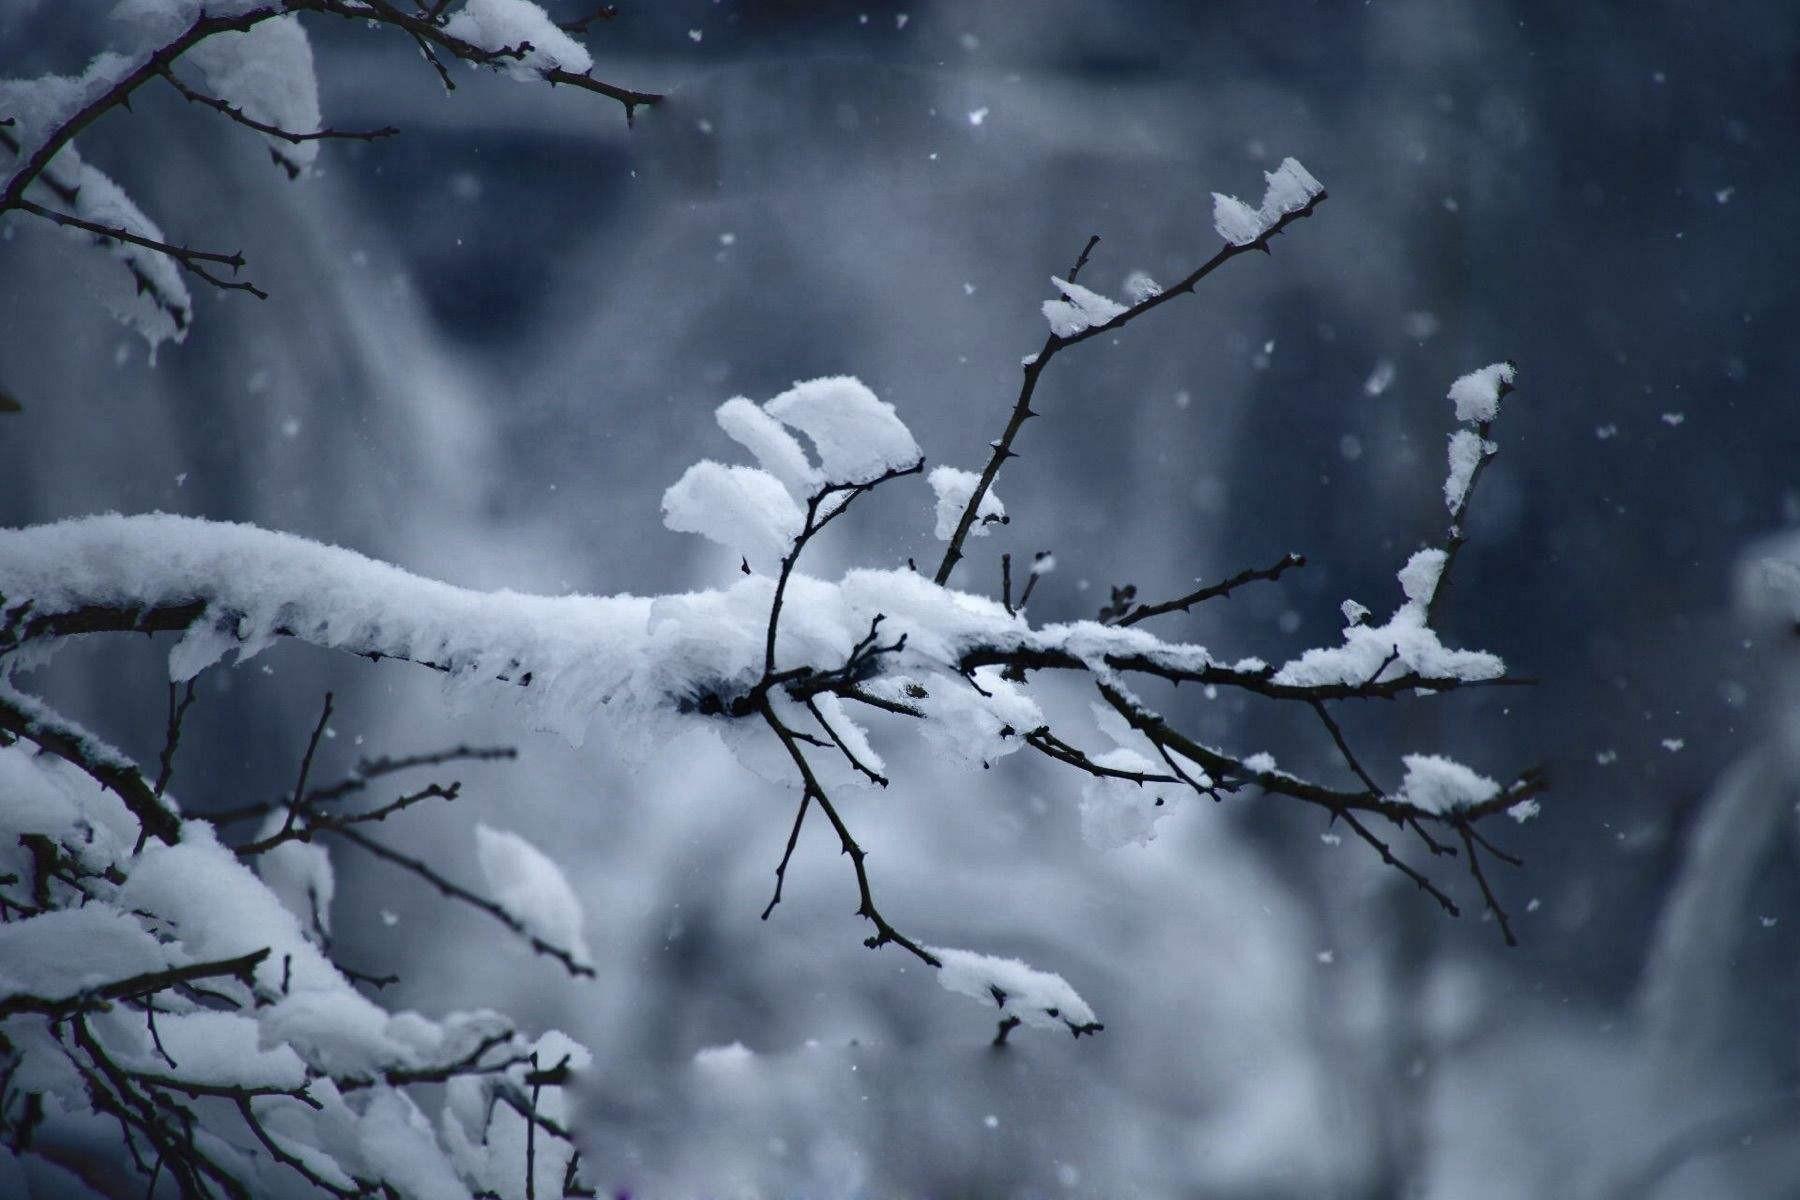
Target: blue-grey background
493, 341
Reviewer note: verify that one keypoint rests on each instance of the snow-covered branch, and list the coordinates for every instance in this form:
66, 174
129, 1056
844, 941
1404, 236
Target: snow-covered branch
255, 64
206, 978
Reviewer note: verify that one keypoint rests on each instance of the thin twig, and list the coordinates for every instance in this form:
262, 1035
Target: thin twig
1144, 612
1055, 343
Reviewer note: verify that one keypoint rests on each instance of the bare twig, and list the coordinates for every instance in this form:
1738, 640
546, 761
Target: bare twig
1055, 343
455, 892
884, 932
171, 740
1144, 612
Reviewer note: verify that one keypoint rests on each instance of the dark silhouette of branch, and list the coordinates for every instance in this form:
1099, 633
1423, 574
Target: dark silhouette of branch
234, 113
186, 257
884, 932
240, 968
1055, 343
299, 795
455, 892
171, 740
367, 772
605, 12
1144, 612
846, 495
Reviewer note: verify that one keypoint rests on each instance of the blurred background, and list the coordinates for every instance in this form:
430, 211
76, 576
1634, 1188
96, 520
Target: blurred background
492, 342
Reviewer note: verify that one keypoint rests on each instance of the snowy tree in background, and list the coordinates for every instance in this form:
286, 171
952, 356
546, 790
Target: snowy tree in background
171, 1013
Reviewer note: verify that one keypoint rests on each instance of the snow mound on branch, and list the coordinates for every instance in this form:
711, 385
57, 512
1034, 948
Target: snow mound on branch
953, 487
1037, 998
528, 885
1405, 644
980, 720
37, 955
743, 509
777, 451
1078, 309
1289, 188
1477, 394
267, 73
1439, 785
631, 665
510, 26
1466, 451
223, 1048
150, 298
857, 436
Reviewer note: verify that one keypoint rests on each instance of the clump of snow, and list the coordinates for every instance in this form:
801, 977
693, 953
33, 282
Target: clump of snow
1419, 577
1477, 394
1262, 762
776, 450
1439, 785
1037, 998
224, 1048
1236, 221
1405, 643
980, 724
743, 509
1119, 812
1466, 451
1289, 188
267, 73
1078, 308
38, 955
511, 26
151, 298
1524, 810
857, 436
528, 885
953, 487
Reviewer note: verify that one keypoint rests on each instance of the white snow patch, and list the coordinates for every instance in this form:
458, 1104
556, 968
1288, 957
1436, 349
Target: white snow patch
1477, 394
1038, 998
1078, 308
532, 888
953, 487
1438, 785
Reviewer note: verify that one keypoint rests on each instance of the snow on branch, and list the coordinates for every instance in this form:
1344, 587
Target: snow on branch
202, 1015
254, 65
775, 662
